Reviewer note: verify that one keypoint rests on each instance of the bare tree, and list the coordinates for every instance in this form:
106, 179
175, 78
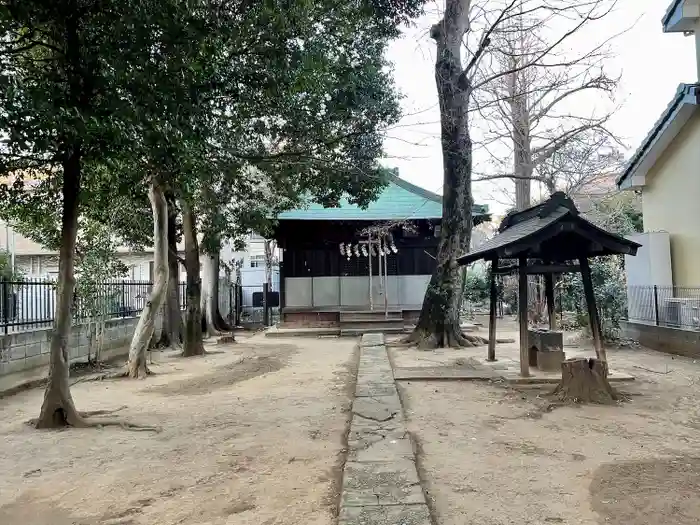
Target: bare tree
438, 324
532, 94
270, 260
464, 22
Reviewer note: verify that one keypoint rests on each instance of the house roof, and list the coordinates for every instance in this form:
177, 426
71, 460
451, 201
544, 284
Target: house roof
400, 200
666, 128
669, 12
681, 16
554, 231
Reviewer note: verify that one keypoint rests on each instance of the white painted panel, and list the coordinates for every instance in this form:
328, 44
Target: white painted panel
652, 264
326, 291
354, 291
412, 289
297, 291
391, 289
650, 267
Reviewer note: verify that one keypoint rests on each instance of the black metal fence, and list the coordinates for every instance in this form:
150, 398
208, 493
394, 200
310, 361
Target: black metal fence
252, 305
671, 306
30, 304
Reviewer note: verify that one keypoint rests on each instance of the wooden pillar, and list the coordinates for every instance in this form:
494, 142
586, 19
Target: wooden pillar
522, 316
592, 310
549, 296
369, 248
283, 287
492, 313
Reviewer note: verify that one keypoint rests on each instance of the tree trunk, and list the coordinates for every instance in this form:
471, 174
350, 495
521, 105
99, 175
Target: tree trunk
171, 334
91, 330
268, 262
192, 343
100, 333
136, 366
523, 190
210, 294
438, 324
58, 409
585, 381
522, 156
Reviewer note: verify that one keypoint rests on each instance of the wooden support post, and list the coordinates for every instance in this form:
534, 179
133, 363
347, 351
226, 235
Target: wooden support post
369, 247
266, 307
522, 316
492, 313
592, 310
549, 296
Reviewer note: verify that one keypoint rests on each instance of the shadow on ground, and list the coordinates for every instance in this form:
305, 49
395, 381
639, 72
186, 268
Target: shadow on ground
654, 491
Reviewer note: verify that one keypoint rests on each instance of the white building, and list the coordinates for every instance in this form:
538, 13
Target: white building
36, 262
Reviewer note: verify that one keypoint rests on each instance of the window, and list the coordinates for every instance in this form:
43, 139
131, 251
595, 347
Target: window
257, 261
34, 265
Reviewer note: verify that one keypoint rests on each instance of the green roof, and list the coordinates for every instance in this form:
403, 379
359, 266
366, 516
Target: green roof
400, 200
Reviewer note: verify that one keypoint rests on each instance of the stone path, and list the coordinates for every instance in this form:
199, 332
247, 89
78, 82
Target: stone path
380, 481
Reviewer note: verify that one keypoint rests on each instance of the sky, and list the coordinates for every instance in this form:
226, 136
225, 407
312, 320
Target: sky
651, 65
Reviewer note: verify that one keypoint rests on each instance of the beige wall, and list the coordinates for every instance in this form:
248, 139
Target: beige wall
22, 245
671, 202
46, 266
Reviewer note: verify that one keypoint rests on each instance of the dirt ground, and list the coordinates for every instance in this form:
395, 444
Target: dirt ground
496, 455
252, 434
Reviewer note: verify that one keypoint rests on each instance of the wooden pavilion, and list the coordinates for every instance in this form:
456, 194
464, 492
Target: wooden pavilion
548, 239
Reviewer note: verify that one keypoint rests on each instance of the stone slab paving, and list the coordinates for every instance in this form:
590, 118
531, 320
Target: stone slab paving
506, 370
385, 515
443, 372
372, 340
380, 481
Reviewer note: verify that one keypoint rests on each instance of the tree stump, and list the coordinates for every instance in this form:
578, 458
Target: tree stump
585, 381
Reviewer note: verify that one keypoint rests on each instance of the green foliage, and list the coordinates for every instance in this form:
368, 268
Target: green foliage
476, 286
619, 213
6, 271
241, 108
608, 276
98, 264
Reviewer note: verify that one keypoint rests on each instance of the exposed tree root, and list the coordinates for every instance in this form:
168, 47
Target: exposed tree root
62, 421
126, 425
220, 323
91, 413
209, 329
451, 338
204, 353
226, 338
121, 374
67, 416
167, 341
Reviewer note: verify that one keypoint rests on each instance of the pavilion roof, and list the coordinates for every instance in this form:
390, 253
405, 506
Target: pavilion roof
551, 231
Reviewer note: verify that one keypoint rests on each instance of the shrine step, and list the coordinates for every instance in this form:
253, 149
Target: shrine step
370, 316
369, 322
356, 329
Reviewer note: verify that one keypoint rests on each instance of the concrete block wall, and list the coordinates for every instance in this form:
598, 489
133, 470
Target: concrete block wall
664, 339
27, 350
